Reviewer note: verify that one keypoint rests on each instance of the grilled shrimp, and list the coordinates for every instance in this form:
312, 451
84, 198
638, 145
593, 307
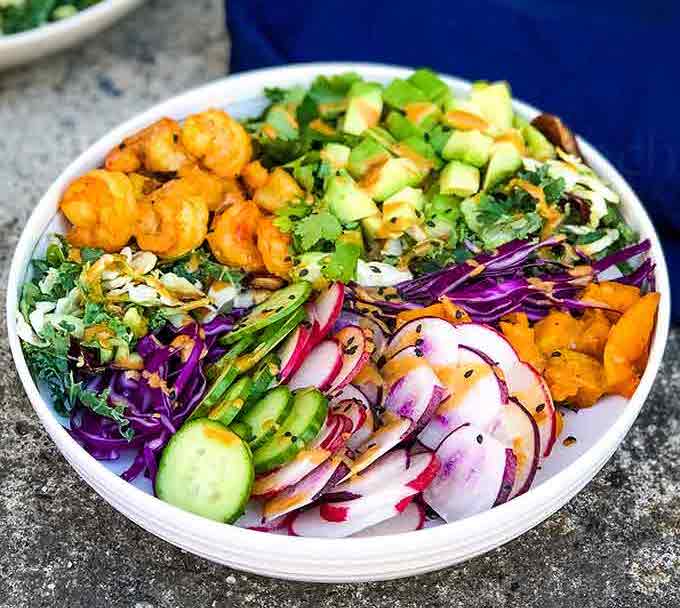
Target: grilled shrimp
277, 191
217, 191
173, 220
156, 148
233, 239
274, 246
102, 207
221, 144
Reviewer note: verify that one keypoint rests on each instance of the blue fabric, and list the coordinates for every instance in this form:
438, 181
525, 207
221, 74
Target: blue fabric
609, 68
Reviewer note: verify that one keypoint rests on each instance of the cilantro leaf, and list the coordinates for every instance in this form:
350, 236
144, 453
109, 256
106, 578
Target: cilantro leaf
342, 263
288, 215
322, 226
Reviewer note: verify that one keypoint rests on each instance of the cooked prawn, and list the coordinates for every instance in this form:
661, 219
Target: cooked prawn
233, 239
173, 220
102, 207
156, 148
625, 354
279, 190
274, 246
254, 175
218, 141
218, 192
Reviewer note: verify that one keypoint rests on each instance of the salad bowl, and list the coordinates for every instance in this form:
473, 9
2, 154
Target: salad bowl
594, 434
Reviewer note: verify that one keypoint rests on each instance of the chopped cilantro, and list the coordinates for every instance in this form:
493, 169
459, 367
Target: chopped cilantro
288, 215
342, 263
322, 226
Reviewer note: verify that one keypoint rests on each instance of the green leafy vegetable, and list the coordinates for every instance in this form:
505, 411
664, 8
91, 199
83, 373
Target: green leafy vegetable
342, 263
287, 216
322, 226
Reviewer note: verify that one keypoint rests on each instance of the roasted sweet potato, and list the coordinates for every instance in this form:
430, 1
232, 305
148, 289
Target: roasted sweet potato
516, 329
574, 378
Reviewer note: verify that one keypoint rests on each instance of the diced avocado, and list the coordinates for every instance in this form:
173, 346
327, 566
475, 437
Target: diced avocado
423, 114
336, 155
352, 236
438, 138
399, 93
383, 181
371, 226
537, 144
346, 200
367, 154
419, 151
466, 105
429, 83
412, 196
401, 127
504, 162
364, 107
444, 205
471, 147
380, 135
397, 217
283, 121
495, 103
459, 179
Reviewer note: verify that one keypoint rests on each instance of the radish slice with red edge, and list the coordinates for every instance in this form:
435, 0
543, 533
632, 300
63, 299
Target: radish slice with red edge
490, 342
353, 409
327, 307
518, 431
315, 328
356, 350
253, 519
412, 518
471, 475
307, 490
319, 368
353, 318
294, 350
349, 391
528, 387
435, 338
477, 397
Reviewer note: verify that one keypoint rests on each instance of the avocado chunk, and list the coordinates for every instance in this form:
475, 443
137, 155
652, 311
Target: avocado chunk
283, 121
381, 136
371, 226
505, 161
336, 155
383, 181
346, 200
537, 144
429, 83
397, 217
423, 114
367, 154
364, 106
419, 151
399, 93
408, 195
459, 179
401, 127
470, 147
495, 104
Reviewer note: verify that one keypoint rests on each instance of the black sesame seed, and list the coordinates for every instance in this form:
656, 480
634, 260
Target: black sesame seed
459, 314
393, 220
348, 407
507, 487
419, 328
293, 438
418, 213
429, 223
306, 324
556, 353
287, 259
381, 361
480, 439
418, 352
540, 407
175, 137
375, 269
391, 296
349, 342
351, 350
381, 290
420, 342
468, 373
279, 309
370, 445
287, 434
291, 297
304, 272
570, 440
121, 146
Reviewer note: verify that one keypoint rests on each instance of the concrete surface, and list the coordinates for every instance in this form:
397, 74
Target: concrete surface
615, 545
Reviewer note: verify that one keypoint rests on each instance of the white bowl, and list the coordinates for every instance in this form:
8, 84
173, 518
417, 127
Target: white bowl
598, 430
16, 49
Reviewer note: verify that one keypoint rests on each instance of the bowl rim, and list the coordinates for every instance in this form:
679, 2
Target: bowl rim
90, 15
188, 530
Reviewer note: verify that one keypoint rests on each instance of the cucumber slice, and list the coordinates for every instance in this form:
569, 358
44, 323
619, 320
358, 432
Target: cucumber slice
215, 391
264, 418
298, 430
241, 429
277, 306
206, 469
270, 339
263, 377
227, 409
214, 370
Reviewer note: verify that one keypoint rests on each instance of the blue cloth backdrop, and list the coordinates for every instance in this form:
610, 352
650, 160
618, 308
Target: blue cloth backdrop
609, 68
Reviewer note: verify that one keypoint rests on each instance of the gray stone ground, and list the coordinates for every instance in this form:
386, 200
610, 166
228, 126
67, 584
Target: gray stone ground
615, 545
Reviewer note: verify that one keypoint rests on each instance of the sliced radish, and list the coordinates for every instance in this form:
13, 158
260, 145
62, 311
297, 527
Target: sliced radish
315, 327
402, 362
354, 409
471, 475
436, 339
356, 350
416, 396
349, 392
319, 368
518, 431
353, 318
362, 433
294, 350
380, 442
476, 397
488, 341
327, 307
253, 519
306, 490
529, 388
410, 519
508, 477
370, 382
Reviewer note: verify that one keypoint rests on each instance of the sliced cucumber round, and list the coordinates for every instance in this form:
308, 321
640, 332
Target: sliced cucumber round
215, 391
264, 418
300, 427
276, 307
206, 469
227, 409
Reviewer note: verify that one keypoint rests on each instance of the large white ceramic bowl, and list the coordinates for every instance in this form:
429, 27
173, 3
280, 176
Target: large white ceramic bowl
16, 49
598, 430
